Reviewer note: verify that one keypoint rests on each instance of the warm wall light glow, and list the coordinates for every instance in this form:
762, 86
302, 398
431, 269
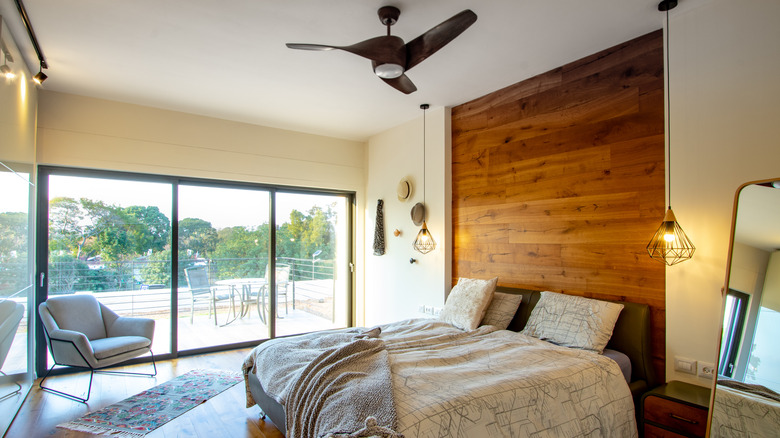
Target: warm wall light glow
7, 72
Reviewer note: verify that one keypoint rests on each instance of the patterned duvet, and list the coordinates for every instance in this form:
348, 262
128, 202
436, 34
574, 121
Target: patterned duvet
498, 383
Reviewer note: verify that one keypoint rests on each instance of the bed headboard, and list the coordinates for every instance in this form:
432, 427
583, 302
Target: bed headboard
631, 336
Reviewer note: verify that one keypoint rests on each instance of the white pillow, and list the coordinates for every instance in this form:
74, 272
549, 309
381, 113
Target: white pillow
467, 302
501, 310
573, 321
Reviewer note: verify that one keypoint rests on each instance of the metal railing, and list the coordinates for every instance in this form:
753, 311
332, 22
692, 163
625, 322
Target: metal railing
149, 286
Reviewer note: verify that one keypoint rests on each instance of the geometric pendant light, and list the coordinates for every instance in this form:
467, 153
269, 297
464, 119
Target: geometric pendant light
424, 242
669, 244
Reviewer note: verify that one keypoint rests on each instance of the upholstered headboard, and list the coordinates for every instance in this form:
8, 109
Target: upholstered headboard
631, 336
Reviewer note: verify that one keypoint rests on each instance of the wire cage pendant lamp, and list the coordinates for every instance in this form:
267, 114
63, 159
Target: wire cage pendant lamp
669, 244
424, 242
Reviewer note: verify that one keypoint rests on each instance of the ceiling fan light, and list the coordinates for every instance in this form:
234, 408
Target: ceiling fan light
389, 70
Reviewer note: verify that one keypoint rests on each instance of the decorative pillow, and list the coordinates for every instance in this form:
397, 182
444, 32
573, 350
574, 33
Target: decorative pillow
501, 310
573, 321
467, 302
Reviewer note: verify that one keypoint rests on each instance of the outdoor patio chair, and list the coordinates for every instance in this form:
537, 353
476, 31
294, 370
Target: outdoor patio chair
11, 314
282, 285
83, 333
202, 290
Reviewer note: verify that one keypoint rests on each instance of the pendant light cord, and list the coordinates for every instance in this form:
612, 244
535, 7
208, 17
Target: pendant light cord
668, 112
424, 107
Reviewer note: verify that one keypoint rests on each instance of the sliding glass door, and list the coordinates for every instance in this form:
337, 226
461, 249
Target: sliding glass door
312, 262
111, 238
208, 260
223, 257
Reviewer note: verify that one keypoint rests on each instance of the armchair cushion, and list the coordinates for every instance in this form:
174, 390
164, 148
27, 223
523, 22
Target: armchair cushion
80, 313
110, 347
125, 326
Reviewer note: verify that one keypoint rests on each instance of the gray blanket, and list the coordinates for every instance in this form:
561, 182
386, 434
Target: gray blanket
319, 377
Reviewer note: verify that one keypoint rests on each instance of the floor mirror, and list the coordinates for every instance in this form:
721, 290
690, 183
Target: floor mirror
746, 394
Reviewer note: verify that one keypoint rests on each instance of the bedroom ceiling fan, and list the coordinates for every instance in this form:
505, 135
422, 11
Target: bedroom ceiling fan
390, 57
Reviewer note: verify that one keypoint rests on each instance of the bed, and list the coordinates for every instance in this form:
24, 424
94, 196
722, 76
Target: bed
477, 383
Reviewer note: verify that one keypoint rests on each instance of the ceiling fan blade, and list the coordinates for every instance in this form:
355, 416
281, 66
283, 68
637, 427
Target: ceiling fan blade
302, 46
401, 83
425, 45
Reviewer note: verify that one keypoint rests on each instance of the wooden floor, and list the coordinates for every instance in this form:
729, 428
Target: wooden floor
221, 416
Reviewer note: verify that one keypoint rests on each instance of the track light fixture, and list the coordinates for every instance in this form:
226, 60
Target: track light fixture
40, 76
5, 69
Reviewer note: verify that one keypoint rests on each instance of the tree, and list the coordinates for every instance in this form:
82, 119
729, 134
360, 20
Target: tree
197, 235
13, 236
73, 224
147, 228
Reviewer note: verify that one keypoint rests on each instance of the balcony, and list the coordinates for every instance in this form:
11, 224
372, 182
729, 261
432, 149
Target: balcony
310, 306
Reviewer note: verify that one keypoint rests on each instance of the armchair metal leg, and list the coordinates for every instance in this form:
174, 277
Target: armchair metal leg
17, 391
65, 394
92, 372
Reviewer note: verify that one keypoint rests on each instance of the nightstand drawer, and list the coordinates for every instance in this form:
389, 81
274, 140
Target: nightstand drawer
678, 416
656, 432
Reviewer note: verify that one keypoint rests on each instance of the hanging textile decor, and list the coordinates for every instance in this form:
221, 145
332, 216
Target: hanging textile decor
379, 230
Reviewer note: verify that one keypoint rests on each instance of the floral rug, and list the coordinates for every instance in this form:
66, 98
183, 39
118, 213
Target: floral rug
142, 413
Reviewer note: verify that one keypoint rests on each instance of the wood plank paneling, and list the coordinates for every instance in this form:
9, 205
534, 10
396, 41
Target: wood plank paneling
558, 181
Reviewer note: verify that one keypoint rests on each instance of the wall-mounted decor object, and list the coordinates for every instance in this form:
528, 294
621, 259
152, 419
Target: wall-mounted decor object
418, 213
404, 190
379, 230
396, 232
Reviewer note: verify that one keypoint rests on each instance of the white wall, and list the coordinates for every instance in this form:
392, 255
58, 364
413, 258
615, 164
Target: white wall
396, 288
93, 133
725, 111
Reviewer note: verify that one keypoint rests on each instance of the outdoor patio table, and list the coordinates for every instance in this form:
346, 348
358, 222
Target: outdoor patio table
243, 288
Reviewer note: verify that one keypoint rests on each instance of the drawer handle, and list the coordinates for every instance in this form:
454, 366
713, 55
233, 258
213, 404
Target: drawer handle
677, 417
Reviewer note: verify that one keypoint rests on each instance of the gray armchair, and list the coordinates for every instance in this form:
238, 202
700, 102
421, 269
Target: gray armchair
83, 333
11, 314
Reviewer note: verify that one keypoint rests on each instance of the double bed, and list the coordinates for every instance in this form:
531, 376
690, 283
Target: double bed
443, 381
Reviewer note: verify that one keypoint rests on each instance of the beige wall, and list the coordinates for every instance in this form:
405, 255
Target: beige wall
396, 288
771, 296
93, 133
18, 105
724, 130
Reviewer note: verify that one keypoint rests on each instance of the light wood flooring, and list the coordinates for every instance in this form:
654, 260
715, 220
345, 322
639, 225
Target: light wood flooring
221, 416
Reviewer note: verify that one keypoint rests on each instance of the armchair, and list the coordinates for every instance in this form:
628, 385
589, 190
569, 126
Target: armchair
11, 314
83, 333
201, 289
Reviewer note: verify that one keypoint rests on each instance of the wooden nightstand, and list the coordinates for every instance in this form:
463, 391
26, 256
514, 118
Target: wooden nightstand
675, 409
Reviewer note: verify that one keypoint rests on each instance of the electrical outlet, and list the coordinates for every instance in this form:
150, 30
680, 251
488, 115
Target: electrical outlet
437, 311
683, 365
428, 310
421, 308
706, 370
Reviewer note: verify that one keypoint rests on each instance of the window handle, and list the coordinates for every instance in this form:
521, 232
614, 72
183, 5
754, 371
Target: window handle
42, 277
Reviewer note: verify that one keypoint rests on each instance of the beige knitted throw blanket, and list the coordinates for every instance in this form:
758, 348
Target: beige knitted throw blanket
331, 384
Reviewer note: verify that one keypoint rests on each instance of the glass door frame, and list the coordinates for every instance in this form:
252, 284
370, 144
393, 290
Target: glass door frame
42, 250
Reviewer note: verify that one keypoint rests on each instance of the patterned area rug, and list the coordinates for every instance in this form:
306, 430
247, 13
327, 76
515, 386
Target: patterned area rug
142, 413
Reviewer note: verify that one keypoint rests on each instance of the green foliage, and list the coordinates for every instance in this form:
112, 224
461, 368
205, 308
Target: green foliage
84, 228
197, 236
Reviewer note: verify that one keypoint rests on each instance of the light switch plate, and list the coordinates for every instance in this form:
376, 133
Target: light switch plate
685, 365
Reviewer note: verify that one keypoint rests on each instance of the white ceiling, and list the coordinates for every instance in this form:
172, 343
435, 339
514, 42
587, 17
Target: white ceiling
227, 59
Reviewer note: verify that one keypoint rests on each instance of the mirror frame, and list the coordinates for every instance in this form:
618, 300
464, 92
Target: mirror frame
725, 287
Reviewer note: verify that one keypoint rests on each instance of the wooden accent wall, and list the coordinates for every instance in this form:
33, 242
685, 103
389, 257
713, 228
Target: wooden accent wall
558, 181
